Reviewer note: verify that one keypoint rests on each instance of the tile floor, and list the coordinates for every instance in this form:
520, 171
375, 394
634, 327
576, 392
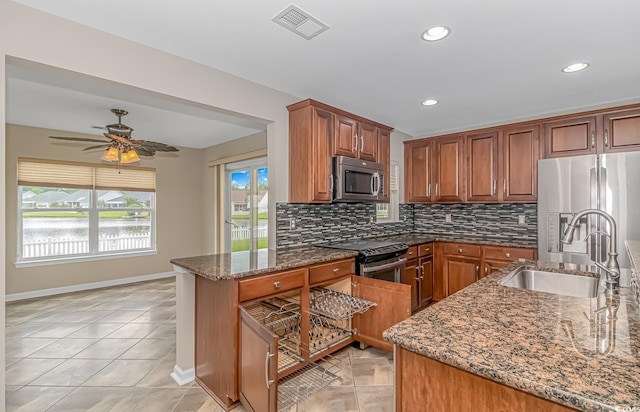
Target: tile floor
113, 350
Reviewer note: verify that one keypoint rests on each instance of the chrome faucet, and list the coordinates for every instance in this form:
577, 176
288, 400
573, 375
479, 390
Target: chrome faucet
611, 267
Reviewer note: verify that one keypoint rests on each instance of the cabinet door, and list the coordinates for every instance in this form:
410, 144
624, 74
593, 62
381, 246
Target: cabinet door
258, 365
570, 137
491, 266
449, 170
622, 131
368, 144
345, 142
393, 305
426, 280
410, 277
384, 157
482, 166
460, 272
520, 153
417, 175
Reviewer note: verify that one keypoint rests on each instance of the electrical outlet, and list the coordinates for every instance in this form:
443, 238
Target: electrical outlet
447, 217
372, 219
522, 220
292, 223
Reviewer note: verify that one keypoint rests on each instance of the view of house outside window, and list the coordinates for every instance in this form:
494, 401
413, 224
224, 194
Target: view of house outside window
249, 209
62, 222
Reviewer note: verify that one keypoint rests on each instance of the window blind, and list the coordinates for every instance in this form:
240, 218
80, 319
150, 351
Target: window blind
50, 173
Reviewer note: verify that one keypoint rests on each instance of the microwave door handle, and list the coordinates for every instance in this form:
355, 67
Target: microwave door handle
375, 183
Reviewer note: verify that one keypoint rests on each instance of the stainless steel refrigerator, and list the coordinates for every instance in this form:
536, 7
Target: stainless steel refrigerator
568, 185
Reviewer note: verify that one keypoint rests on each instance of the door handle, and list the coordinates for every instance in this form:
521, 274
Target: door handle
486, 270
477, 271
266, 369
495, 187
361, 143
331, 182
355, 142
504, 186
437, 191
428, 189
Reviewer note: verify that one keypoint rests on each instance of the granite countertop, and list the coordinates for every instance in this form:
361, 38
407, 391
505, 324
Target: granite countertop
238, 265
545, 344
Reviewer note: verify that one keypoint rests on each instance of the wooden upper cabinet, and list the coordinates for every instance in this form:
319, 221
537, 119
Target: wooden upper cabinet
482, 166
346, 137
355, 139
519, 167
570, 137
448, 165
310, 135
621, 131
384, 157
368, 147
417, 175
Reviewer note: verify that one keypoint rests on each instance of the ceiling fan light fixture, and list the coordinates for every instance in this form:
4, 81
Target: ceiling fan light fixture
111, 155
130, 156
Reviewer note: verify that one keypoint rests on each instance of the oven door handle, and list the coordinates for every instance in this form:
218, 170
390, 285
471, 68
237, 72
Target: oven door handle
398, 263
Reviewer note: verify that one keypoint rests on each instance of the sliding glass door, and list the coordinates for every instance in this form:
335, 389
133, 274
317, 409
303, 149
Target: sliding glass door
247, 205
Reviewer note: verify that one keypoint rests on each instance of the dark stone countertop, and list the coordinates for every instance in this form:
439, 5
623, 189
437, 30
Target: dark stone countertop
238, 265
545, 344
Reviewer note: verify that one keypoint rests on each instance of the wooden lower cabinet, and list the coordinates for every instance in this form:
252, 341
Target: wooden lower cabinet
418, 274
255, 332
424, 384
410, 277
459, 272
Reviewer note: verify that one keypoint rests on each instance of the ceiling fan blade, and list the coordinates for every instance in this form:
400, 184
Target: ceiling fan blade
143, 151
100, 146
157, 146
76, 139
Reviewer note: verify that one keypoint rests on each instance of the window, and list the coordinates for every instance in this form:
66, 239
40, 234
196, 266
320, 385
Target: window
75, 210
388, 212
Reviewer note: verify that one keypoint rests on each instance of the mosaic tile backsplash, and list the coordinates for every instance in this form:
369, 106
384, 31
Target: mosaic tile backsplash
323, 223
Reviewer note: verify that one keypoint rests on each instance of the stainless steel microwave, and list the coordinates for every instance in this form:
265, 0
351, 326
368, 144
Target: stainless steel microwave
357, 180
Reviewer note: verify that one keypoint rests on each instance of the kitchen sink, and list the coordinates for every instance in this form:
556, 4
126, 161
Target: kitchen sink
551, 282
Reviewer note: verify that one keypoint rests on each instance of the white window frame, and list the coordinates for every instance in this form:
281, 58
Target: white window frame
94, 226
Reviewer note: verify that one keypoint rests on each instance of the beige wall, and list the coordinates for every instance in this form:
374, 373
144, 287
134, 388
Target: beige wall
3, 23
212, 192
179, 211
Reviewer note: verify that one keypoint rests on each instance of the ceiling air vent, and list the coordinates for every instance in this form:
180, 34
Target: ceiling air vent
300, 22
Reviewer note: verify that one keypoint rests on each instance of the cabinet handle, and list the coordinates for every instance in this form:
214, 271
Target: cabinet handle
336, 270
355, 142
606, 138
504, 186
508, 254
437, 190
266, 369
361, 143
486, 270
429, 190
418, 271
331, 182
495, 187
593, 139
276, 284
459, 250
477, 271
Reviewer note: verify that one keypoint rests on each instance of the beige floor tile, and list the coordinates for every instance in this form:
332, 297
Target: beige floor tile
134, 330
107, 349
96, 330
150, 349
34, 398
63, 348
93, 399
164, 315
121, 316
19, 348
11, 388
150, 400
24, 329
332, 398
72, 372
372, 371
59, 330
370, 352
160, 376
375, 398
122, 373
163, 332
197, 400
26, 370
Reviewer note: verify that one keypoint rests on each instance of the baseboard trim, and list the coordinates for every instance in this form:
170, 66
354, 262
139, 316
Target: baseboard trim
183, 377
85, 286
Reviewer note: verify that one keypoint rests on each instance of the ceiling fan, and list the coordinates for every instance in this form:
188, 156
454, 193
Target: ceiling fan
121, 147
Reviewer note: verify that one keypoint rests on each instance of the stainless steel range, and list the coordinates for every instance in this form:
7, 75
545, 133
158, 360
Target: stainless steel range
376, 259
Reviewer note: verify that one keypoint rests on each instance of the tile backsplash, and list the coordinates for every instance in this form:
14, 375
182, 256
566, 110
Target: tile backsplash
323, 223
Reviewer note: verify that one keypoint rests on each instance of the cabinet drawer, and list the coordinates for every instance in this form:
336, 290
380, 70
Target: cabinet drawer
268, 285
462, 249
508, 253
425, 250
412, 252
331, 270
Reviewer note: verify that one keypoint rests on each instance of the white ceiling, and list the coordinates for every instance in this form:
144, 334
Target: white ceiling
501, 63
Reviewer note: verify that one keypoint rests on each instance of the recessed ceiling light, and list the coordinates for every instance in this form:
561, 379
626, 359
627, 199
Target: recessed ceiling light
575, 67
429, 102
435, 33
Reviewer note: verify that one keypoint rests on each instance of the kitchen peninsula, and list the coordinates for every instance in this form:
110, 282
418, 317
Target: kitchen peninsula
503, 348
